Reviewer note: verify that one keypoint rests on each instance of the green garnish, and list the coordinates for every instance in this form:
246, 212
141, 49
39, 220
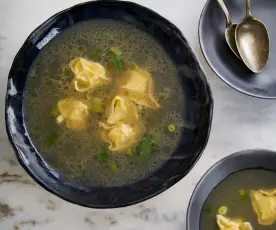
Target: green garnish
52, 138
103, 156
171, 128
129, 152
115, 51
97, 54
55, 112
116, 59
148, 145
222, 210
208, 209
113, 165
97, 105
243, 194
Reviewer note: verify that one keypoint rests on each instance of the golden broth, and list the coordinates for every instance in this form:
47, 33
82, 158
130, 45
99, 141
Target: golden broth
74, 154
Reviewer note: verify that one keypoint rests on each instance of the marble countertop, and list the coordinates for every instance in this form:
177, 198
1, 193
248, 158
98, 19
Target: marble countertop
240, 122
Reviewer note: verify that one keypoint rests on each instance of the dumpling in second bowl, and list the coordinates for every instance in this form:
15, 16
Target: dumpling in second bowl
88, 74
139, 87
264, 205
229, 224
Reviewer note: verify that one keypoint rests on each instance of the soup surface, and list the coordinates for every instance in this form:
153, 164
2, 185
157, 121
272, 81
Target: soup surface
234, 194
83, 155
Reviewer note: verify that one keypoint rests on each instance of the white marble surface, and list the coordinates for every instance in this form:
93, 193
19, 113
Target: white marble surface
239, 122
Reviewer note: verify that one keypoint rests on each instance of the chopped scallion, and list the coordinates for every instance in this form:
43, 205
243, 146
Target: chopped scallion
243, 194
97, 105
171, 128
116, 59
146, 146
129, 152
222, 210
52, 138
103, 156
97, 54
113, 165
115, 51
55, 112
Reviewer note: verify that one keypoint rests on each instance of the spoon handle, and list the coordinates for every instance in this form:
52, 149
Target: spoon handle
248, 8
226, 12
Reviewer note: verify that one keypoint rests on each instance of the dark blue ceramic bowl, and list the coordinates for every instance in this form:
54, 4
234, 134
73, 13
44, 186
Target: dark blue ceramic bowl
197, 111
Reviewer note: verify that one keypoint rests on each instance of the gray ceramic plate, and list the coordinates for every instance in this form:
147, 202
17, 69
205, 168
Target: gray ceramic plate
221, 59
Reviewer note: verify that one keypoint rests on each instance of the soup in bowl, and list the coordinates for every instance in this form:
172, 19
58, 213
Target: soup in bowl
107, 105
237, 193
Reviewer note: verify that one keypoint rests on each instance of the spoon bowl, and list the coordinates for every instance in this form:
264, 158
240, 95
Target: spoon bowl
252, 41
231, 39
230, 30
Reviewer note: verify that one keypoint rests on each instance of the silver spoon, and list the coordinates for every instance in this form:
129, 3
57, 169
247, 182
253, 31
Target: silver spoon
230, 30
252, 41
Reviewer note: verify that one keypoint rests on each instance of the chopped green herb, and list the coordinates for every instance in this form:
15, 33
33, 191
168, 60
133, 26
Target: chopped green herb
103, 156
97, 105
115, 51
52, 138
97, 54
146, 146
171, 128
222, 210
116, 59
55, 112
129, 152
113, 165
208, 209
117, 62
243, 194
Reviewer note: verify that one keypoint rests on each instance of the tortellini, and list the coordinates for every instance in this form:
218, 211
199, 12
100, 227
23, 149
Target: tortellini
73, 112
264, 205
88, 74
123, 128
231, 224
121, 136
121, 109
139, 87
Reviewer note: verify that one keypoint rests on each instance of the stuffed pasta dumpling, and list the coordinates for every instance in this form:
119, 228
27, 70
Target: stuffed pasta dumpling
229, 224
264, 205
73, 113
88, 74
121, 136
139, 87
121, 109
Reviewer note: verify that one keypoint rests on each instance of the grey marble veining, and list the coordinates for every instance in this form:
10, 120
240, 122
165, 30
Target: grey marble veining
239, 122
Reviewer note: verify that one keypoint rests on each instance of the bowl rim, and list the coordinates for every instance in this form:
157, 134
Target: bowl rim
214, 69
200, 183
170, 183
